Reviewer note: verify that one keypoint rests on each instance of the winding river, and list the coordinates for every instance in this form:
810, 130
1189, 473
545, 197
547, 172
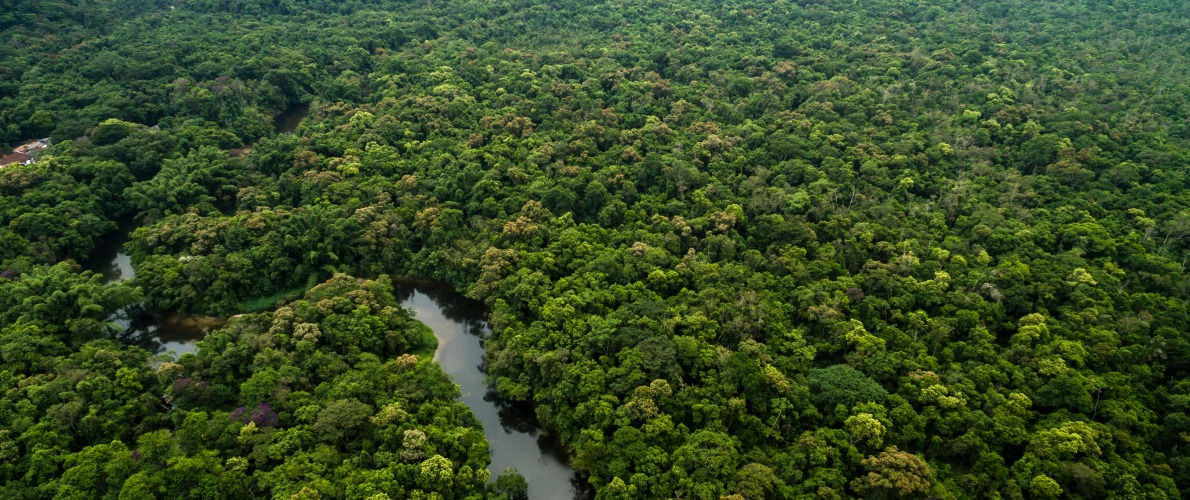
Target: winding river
514, 436
177, 333
172, 332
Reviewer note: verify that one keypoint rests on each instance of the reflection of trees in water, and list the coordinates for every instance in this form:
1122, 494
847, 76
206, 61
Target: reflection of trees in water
132, 321
581, 486
103, 258
478, 328
514, 417
454, 306
140, 328
289, 119
402, 292
517, 416
151, 344
549, 445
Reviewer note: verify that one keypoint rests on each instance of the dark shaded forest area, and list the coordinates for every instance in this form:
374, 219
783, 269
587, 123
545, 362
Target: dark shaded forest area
731, 249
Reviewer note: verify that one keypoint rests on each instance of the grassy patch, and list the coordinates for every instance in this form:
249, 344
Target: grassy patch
428, 343
270, 301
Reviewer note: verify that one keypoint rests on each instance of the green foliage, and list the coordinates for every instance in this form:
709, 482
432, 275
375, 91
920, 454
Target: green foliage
893, 474
730, 248
842, 385
511, 484
317, 410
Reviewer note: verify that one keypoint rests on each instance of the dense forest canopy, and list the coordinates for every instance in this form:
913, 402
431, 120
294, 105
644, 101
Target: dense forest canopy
741, 249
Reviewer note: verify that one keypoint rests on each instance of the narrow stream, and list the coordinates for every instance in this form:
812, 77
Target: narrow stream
514, 436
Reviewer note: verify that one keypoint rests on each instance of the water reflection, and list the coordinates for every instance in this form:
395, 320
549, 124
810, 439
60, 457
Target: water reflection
108, 260
289, 119
176, 333
514, 436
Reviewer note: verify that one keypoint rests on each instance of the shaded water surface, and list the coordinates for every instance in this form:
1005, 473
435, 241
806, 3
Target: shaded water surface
289, 119
109, 259
514, 435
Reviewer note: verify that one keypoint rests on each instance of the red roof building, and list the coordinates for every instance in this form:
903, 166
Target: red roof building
14, 158
24, 152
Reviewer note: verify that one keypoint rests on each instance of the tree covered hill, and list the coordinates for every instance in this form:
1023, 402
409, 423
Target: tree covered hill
766, 249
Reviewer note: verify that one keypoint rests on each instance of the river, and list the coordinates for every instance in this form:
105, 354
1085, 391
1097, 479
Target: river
171, 332
514, 436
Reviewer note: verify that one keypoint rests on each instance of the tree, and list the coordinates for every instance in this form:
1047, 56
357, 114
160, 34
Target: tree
865, 428
1044, 487
512, 485
435, 473
709, 459
756, 481
893, 474
843, 385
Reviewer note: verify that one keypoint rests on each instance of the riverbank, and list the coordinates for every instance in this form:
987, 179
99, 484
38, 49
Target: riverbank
515, 437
